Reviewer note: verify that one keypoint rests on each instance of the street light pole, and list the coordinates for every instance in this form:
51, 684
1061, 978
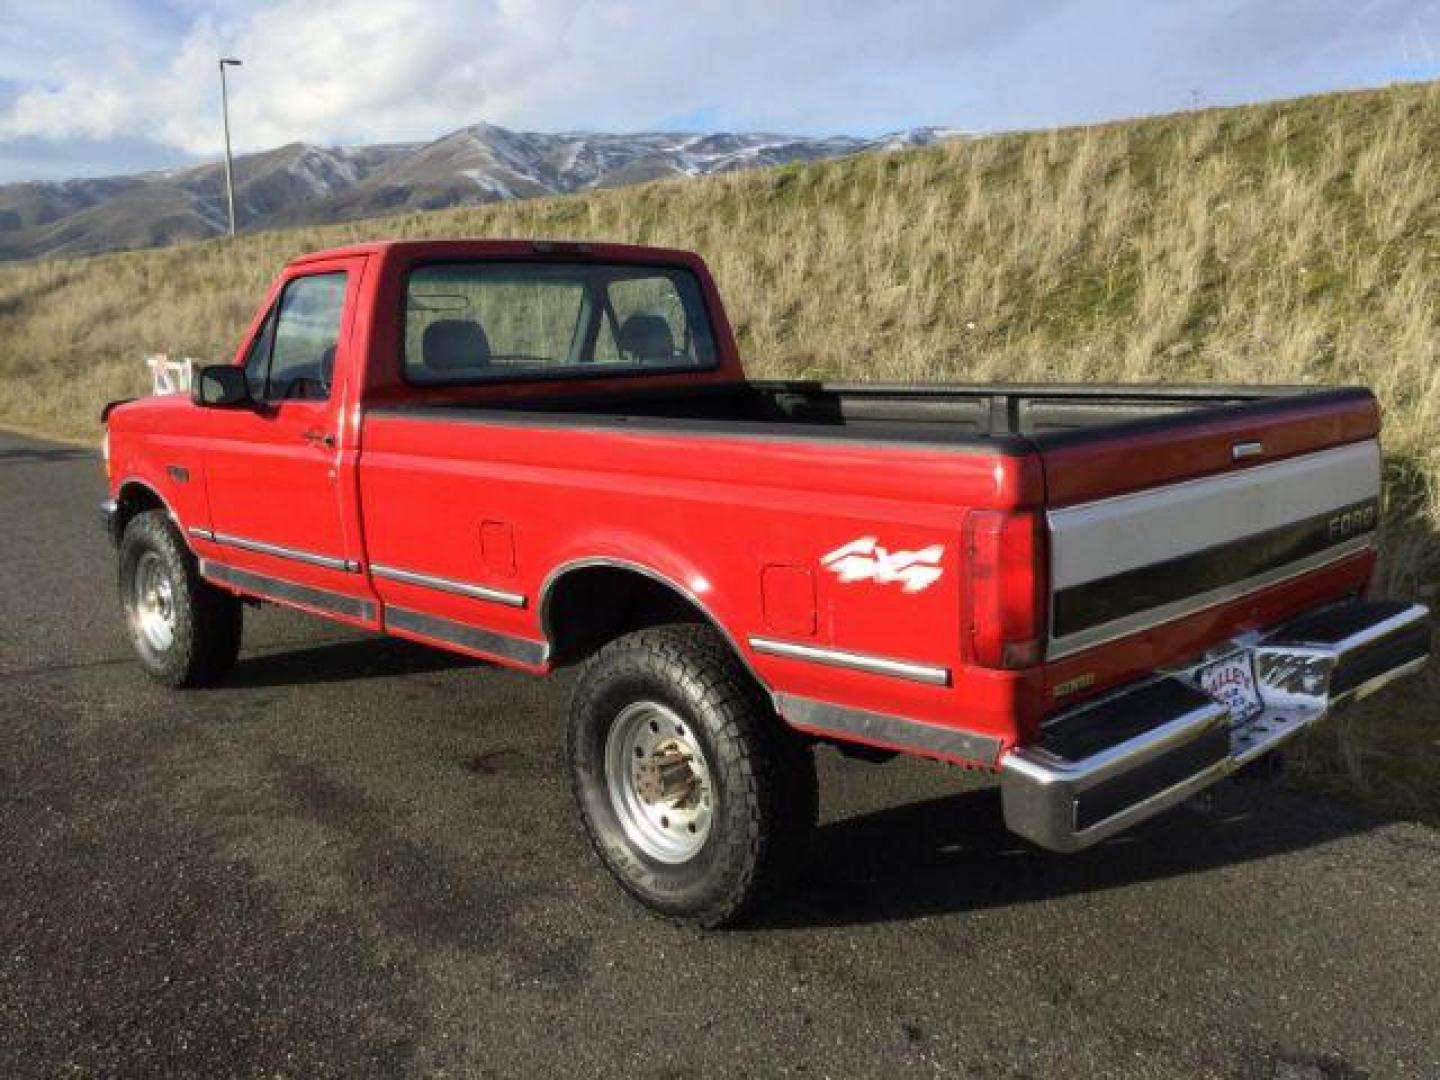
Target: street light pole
227, 61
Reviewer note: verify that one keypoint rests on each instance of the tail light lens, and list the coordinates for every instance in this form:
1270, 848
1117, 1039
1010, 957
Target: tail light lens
1008, 577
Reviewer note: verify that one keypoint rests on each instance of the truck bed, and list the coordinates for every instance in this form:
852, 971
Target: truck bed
1041, 415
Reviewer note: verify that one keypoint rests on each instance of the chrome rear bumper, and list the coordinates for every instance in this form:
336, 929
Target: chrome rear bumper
1108, 764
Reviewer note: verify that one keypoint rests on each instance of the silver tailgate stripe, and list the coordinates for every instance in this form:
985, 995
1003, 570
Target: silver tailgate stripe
448, 585
1148, 549
1062, 646
875, 665
1111, 536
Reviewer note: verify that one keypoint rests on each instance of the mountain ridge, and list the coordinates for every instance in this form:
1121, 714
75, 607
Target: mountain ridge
309, 184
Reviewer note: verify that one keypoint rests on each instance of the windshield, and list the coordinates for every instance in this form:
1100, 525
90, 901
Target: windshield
473, 322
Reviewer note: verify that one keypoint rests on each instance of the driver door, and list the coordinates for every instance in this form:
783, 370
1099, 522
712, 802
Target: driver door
273, 470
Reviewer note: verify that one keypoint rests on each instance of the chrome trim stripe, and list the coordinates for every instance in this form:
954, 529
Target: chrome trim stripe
1152, 617
280, 551
203, 534
465, 636
1111, 536
875, 665
448, 585
288, 592
916, 736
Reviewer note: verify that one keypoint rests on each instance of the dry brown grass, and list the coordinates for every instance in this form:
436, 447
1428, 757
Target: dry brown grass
1297, 242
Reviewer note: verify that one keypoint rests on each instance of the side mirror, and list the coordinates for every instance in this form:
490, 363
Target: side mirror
220, 386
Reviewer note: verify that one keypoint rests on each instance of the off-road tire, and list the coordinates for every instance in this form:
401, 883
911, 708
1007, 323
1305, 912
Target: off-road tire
762, 774
207, 622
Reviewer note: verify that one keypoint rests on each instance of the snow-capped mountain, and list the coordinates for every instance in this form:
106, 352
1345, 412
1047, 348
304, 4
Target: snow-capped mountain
302, 184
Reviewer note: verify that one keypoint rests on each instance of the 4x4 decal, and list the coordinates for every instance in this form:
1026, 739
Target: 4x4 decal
866, 560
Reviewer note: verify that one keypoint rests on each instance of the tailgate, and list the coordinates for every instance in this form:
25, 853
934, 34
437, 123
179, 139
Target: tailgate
1151, 522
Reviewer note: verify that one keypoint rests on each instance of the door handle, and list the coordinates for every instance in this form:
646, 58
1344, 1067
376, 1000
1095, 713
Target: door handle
323, 438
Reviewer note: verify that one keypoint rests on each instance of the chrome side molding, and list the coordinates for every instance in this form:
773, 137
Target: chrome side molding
281, 551
854, 661
448, 585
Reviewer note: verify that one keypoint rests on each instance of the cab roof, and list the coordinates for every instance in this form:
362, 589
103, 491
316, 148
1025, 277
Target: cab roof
482, 248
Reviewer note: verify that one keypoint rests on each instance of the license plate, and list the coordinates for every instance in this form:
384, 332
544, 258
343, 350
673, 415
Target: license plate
1232, 682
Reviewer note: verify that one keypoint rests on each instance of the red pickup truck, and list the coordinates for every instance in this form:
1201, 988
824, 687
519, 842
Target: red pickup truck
547, 454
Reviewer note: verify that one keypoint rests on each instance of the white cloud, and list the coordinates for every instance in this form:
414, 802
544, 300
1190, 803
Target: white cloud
364, 70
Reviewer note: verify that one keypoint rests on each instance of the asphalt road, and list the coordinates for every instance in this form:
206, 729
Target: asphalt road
360, 858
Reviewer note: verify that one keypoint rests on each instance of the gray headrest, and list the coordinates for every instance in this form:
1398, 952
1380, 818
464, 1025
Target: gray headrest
648, 338
455, 343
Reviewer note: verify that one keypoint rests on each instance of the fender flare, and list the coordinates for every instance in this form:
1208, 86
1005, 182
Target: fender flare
546, 594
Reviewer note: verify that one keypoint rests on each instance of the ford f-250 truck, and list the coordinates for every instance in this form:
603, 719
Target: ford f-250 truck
547, 454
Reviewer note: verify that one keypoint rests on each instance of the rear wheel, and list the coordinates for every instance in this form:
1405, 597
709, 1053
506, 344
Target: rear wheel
185, 631
696, 797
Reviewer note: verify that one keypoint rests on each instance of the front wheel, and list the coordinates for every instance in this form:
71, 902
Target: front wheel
185, 631
694, 794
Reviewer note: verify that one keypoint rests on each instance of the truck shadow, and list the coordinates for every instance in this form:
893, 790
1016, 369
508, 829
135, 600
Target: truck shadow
344, 661
953, 854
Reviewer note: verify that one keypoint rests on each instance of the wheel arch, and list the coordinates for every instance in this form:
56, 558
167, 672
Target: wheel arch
135, 496
631, 597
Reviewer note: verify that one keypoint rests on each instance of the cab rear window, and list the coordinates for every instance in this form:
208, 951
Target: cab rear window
480, 322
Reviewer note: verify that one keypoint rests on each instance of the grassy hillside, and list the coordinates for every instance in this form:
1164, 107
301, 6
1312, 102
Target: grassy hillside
1296, 242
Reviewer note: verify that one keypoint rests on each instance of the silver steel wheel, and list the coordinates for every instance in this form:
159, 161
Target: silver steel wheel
659, 782
152, 602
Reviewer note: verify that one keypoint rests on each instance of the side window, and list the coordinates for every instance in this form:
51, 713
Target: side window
257, 360
306, 332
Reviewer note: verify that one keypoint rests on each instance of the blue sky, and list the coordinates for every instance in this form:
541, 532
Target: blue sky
92, 87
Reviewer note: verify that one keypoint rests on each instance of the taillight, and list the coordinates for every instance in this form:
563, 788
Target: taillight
1007, 578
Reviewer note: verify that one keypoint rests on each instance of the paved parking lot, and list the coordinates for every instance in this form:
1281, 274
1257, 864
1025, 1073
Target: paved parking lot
360, 859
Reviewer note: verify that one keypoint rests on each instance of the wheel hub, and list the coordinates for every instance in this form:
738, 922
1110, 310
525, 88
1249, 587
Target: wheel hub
659, 782
153, 602
665, 776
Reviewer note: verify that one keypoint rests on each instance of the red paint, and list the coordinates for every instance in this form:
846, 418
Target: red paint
740, 524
